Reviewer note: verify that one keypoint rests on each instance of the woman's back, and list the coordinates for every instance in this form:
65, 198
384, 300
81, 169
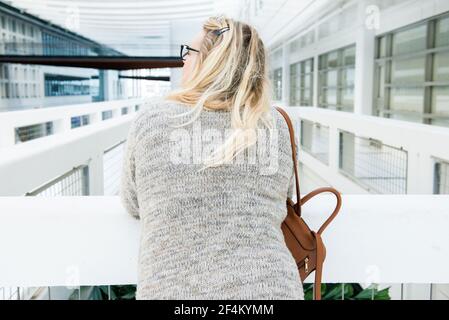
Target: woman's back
212, 233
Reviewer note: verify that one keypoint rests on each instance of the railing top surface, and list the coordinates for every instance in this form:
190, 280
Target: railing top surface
91, 240
13, 119
19, 151
334, 117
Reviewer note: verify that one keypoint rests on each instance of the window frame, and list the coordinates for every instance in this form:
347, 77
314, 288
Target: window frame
382, 100
297, 88
340, 86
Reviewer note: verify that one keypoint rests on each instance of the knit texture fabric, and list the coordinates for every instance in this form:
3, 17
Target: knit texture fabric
215, 233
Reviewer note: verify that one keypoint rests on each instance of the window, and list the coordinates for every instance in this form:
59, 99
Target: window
277, 84
441, 180
336, 79
34, 131
412, 73
303, 41
105, 115
60, 85
301, 83
13, 45
79, 121
276, 61
55, 45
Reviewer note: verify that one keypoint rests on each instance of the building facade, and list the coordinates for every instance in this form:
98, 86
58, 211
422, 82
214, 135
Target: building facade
25, 86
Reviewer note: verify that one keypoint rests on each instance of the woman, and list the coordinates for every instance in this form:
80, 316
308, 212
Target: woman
211, 199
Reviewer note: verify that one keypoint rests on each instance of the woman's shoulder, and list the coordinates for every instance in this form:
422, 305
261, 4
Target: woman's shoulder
282, 127
279, 119
155, 106
155, 110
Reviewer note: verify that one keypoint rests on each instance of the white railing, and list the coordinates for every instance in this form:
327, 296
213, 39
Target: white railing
423, 144
42, 166
61, 116
72, 241
29, 165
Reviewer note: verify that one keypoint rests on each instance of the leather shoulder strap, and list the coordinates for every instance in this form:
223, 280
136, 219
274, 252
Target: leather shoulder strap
295, 164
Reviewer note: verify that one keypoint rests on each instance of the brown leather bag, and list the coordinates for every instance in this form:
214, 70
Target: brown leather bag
306, 246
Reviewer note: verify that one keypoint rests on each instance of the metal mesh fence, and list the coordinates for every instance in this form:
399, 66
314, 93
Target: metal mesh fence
378, 167
441, 182
112, 166
315, 140
71, 183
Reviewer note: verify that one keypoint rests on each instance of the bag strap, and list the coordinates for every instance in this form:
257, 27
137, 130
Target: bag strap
315, 192
320, 255
321, 249
295, 164
319, 242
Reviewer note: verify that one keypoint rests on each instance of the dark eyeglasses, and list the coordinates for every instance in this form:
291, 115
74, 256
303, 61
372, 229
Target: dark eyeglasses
185, 50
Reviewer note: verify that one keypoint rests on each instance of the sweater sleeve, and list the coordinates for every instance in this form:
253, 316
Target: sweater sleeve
291, 188
128, 189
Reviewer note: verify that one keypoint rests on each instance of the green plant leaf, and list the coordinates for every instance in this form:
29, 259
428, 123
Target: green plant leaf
352, 291
129, 296
349, 291
333, 293
366, 294
383, 294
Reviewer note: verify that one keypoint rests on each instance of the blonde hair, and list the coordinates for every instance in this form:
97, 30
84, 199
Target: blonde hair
230, 74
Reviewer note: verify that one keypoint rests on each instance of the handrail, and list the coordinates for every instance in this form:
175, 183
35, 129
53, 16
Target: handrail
71, 241
61, 116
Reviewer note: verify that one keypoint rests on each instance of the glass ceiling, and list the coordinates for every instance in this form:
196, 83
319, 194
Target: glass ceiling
134, 27
158, 27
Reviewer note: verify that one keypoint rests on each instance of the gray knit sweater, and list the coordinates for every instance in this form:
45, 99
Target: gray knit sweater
211, 234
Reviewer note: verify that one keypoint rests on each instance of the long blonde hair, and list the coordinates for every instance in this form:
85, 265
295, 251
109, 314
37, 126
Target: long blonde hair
230, 74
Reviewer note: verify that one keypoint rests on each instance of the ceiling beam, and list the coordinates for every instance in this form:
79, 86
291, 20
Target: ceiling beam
157, 78
97, 62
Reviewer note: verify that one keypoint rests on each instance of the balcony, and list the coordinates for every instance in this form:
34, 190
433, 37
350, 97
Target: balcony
70, 230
